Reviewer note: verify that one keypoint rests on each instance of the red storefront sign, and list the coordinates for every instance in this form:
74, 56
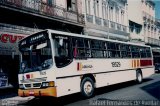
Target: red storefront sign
9, 43
9, 38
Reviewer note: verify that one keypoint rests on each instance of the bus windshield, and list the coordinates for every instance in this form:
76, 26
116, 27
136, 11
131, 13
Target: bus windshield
36, 55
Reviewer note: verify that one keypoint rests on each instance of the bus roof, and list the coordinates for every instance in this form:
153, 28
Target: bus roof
87, 36
92, 37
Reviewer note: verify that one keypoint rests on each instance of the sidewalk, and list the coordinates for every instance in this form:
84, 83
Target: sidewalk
7, 92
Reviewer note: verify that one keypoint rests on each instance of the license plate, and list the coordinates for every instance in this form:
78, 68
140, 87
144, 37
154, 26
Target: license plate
31, 92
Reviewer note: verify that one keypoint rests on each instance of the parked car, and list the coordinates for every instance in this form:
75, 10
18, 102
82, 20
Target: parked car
157, 67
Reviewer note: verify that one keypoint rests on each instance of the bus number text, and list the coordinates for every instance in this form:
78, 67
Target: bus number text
116, 64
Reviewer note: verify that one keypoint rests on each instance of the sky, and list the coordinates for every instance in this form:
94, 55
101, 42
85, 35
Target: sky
157, 8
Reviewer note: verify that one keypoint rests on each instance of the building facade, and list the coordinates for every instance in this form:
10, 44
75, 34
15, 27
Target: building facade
154, 41
20, 18
106, 18
144, 27
142, 22
149, 21
43, 14
151, 28
135, 21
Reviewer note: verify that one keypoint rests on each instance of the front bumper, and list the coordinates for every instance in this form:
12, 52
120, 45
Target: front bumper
51, 91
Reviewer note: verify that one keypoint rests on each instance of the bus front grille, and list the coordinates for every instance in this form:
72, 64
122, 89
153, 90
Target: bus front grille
28, 85
37, 85
34, 80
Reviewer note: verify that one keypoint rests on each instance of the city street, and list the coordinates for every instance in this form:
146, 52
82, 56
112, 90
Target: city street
54, 48
147, 93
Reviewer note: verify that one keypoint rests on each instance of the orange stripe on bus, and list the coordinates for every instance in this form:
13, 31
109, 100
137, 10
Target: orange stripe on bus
137, 63
134, 63
80, 66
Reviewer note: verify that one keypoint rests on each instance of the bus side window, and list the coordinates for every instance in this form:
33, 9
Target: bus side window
143, 52
128, 49
87, 48
75, 52
118, 54
123, 51
62, 51
135, 52
112, 50
78, 48
148, 52
96, 49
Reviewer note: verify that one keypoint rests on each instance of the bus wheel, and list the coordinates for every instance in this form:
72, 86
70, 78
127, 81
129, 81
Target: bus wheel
139, 77
87, 87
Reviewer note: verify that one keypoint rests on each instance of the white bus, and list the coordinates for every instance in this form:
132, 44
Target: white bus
56, 63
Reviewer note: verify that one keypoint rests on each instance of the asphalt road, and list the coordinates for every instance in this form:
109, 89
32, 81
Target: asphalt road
129, 93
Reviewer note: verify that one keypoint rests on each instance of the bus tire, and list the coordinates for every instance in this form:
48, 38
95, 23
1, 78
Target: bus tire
139, 77
87, 87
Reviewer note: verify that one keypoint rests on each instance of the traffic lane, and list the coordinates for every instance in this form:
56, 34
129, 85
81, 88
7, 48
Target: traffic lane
153, 89
148, 90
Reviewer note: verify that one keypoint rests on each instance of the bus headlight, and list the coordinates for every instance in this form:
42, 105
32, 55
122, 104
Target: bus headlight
45, 84
21, 86
48, 84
